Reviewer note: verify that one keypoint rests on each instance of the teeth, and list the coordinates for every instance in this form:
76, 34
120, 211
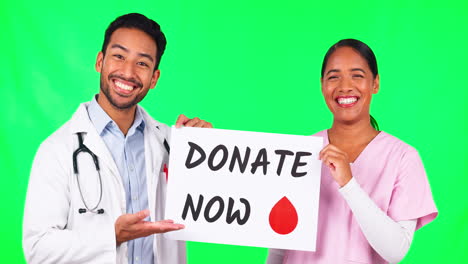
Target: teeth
347, 100
124, 86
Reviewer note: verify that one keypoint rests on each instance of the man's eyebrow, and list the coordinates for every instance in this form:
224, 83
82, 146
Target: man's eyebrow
332, 70
146, 56
358, 69
118, 46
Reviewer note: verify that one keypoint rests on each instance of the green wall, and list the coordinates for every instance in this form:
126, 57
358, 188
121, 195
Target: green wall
247, 65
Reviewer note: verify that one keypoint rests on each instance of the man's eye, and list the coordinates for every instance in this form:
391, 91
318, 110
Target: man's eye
118, 56
332, 77
142, 64
358, 76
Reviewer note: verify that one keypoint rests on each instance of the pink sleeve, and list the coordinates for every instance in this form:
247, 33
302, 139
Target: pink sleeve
411, 196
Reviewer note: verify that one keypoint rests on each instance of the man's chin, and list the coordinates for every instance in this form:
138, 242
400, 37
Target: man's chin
122, 103
123, 106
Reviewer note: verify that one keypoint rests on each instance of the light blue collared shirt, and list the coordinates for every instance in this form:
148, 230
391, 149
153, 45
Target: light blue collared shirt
129, 156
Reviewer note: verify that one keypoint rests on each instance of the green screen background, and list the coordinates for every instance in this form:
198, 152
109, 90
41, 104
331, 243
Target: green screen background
247, 65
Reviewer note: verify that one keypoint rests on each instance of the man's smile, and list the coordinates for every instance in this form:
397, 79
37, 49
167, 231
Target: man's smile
124, 87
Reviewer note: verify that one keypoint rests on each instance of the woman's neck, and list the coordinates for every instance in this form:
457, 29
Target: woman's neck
352, 138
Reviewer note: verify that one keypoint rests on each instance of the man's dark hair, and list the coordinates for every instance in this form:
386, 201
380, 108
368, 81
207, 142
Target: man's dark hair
141, 22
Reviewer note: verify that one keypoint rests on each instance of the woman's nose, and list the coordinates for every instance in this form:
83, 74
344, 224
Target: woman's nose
345, 85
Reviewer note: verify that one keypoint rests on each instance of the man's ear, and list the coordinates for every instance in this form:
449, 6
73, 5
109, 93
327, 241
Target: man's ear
99, 59
155, 78
376, 87
321, 84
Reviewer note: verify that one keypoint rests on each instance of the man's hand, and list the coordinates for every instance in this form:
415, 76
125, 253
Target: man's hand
131, 226
182, 120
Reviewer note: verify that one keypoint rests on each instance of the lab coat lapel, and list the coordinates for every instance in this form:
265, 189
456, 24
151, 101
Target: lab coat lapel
153, 159
95, 143
154, 156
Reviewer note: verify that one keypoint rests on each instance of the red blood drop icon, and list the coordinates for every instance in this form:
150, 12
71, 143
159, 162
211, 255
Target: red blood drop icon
283, 217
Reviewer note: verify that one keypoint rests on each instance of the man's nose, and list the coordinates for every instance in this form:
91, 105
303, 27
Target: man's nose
128, 69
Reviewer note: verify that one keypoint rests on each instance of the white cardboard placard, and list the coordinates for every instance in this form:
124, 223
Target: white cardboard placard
250, 201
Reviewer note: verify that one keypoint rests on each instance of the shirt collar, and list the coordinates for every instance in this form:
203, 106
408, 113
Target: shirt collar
139, 122
101, 119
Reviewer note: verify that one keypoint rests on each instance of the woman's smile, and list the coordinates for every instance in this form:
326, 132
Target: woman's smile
347, 101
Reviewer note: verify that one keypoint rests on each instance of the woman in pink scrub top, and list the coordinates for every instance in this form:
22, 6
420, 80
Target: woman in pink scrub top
374, 192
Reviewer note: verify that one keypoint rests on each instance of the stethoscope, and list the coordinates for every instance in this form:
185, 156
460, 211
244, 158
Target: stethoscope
82, 148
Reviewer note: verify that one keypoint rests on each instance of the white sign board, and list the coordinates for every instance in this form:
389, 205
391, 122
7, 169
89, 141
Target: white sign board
244, 188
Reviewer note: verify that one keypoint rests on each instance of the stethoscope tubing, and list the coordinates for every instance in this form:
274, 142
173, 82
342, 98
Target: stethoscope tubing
84, 149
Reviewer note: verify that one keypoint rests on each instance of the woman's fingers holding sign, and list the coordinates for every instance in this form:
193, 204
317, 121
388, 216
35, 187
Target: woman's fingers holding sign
338, 163
131, 226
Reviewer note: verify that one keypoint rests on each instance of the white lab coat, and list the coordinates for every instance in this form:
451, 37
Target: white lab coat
54, 231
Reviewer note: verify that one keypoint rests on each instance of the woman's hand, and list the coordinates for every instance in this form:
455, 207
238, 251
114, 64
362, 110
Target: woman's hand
338, 162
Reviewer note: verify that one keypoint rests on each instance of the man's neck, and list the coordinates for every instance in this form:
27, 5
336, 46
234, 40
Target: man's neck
122, 117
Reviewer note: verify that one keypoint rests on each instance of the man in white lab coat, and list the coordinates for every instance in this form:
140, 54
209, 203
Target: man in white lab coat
97, 188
